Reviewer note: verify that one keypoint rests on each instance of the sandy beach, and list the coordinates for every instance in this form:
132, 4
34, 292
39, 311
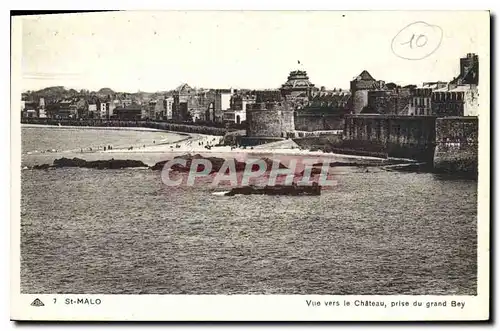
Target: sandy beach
192, 143
197, 144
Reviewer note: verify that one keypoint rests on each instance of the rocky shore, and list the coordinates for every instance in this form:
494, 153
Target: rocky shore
216, 162
100, 164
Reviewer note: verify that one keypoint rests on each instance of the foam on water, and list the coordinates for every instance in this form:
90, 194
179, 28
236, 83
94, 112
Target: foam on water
221, 193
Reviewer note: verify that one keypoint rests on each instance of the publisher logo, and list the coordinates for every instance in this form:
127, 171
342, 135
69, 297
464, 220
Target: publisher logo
37, 303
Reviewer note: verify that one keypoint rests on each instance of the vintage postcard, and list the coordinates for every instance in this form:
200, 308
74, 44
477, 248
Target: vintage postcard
251, 166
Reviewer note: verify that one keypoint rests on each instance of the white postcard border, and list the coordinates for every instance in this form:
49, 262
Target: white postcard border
252, 307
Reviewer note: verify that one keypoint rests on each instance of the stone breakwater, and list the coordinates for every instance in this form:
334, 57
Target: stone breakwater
166, 126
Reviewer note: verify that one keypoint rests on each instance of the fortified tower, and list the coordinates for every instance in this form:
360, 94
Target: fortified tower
360, 86
270, 116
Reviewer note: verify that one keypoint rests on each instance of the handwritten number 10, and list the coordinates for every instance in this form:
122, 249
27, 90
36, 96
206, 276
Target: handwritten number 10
420, 41
417, 41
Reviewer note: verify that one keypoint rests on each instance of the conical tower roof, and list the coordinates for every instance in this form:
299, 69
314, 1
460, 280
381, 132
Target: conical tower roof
364, 75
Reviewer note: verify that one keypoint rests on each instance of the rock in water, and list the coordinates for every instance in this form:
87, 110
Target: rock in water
216, 162
65, 162
115, 164
41, 166
158, 165
276, 190
100, 164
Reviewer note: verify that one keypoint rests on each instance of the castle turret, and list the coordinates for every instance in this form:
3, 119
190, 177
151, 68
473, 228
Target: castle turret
270, 116
360, 86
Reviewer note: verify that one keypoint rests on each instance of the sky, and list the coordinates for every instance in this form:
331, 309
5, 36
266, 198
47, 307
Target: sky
159, 50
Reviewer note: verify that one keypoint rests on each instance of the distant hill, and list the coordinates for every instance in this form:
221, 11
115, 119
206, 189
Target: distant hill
52, 89
50, 93
55, 93
106, 91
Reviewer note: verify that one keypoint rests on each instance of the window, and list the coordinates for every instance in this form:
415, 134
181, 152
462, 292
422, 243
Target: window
398, 130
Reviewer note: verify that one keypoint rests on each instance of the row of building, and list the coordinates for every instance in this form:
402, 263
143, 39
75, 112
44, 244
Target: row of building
299, 107
458, 97
184, 104
85, 107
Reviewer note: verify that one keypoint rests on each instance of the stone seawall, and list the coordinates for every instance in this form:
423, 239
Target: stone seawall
456, 145
140, 124
318, 122
450, 144
333, 143
411, 137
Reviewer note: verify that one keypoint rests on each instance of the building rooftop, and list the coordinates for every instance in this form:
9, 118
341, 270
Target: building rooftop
364, 75
297, 79
456, 88
365, 81
433, 85
183, 87
335, 97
